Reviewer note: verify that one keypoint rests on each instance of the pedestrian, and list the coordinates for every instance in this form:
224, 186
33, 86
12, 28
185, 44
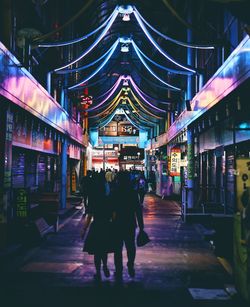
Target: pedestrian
85, 185
142, 187
98, 219
127, 215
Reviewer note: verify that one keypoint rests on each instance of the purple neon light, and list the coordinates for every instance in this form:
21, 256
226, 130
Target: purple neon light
157, 46
146, 95
109, 95
104, 94
144, 99
94, 44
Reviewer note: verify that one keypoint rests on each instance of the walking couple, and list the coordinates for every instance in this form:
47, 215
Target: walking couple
114, 220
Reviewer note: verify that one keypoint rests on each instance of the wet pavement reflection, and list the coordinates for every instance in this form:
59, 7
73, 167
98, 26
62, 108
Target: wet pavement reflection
58, 273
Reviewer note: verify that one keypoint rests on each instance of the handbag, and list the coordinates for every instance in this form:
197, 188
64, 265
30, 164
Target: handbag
142, 238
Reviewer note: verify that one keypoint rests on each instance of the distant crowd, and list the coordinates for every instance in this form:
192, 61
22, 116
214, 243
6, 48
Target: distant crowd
110, 177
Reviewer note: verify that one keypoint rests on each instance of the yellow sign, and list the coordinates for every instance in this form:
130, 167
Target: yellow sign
242, 179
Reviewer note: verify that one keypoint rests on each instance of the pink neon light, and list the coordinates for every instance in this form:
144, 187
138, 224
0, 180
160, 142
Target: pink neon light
138, 92
109, 95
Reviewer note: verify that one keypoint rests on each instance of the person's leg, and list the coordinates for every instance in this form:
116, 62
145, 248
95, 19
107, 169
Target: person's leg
105, 265
131, 251
97, 261
118, 258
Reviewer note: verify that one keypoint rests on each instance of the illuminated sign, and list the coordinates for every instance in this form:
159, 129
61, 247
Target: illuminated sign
175, 162
21, 200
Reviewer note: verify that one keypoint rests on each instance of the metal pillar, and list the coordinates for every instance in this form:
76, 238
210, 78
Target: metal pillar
49, 82
6, 211
63, 174
190, 160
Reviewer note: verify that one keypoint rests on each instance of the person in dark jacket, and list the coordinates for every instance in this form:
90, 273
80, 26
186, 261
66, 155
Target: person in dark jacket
98, 240
85, 186
127, 215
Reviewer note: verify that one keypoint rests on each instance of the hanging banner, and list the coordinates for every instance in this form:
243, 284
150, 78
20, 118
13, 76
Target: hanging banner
175, 159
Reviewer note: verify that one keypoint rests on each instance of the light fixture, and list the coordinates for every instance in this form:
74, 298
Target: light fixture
125, 82
126, 17
124, 48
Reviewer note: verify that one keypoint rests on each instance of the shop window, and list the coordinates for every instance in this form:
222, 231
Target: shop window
18, 168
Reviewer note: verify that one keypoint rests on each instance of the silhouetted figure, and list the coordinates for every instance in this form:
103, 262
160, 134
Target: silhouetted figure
142, 187
127, 214
98, 240
85, 185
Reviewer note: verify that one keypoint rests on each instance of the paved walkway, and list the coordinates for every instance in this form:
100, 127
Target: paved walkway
57, 273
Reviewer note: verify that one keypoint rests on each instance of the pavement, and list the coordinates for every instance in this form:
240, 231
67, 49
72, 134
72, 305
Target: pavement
177, 268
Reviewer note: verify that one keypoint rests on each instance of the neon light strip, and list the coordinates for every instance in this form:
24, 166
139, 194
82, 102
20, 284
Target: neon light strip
109, 95
158, 47
145, 124
141, 105
133, 123
107, 121
77, 40
97, 70
171, 87
146, 95
180, 72
184, 44
67, 71
94, 44
113, 102
101, 81
150, 104
139, 112
146, 79
143, 93
104, 94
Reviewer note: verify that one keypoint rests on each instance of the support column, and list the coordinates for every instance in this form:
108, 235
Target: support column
190, 175
49, 82
6, 126
63, 195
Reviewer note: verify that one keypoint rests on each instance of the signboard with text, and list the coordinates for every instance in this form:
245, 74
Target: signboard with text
21, 202
175, 159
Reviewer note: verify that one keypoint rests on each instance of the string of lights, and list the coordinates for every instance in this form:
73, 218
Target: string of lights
79, 39
106, 98
141, 105
97, 70
174, 71
143, 98
153, 42
170, 87
146, 95
96, 42
77, 69
180, 43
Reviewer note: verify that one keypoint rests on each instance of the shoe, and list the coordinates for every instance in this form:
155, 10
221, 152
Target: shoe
118, 276
131, 271
106, 271
97, 276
